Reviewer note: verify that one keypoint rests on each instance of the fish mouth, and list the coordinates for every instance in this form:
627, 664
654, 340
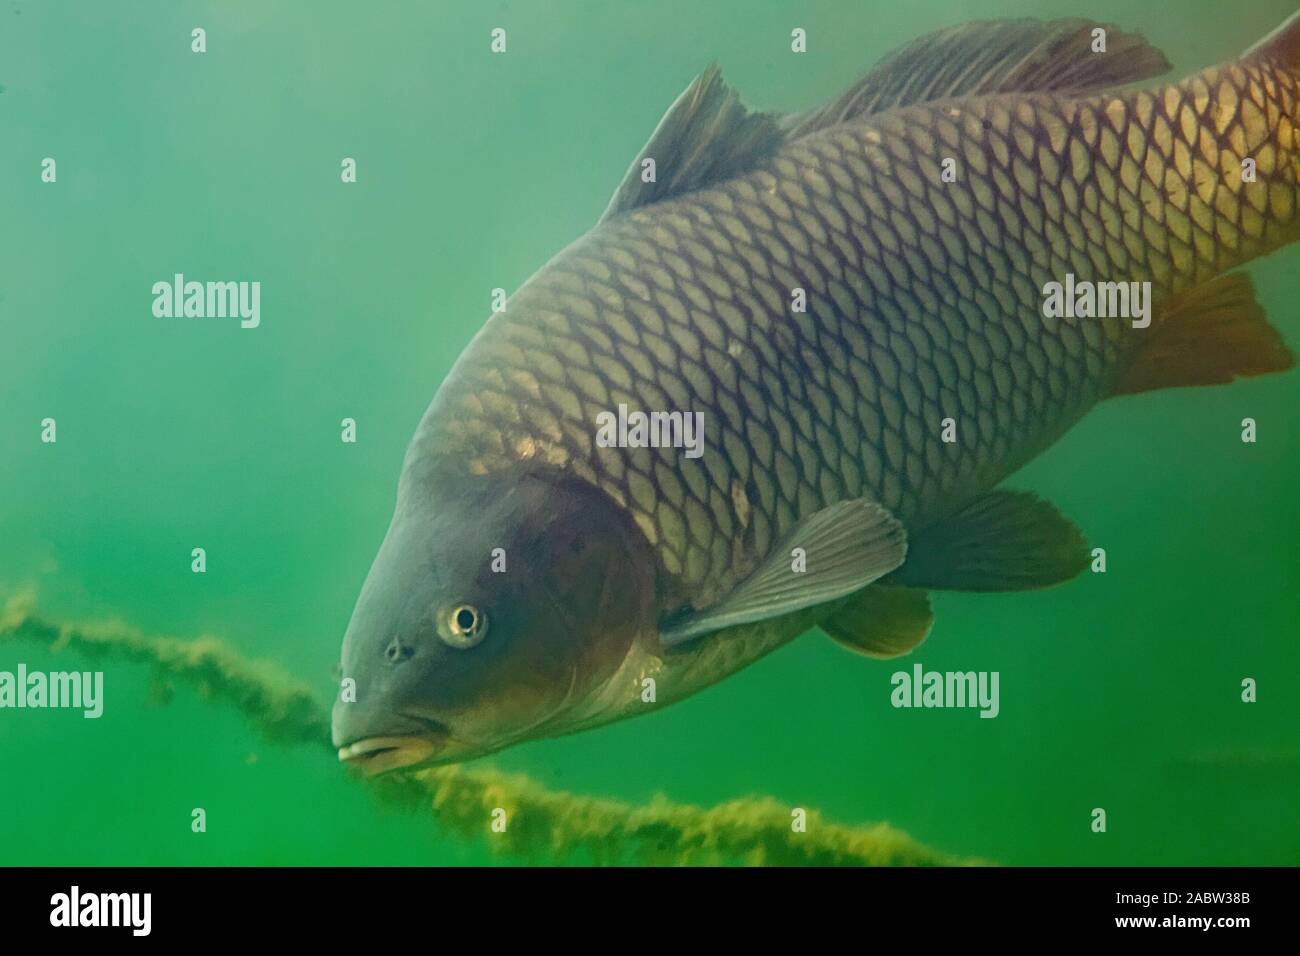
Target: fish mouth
376, 755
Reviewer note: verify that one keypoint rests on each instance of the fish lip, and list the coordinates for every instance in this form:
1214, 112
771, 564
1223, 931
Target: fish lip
376, 755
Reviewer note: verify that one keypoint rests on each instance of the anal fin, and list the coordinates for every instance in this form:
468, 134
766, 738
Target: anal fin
1208, 335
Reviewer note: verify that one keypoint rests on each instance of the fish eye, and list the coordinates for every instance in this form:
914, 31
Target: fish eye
464, 626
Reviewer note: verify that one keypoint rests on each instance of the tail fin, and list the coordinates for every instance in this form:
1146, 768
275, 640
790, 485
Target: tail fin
1281, 47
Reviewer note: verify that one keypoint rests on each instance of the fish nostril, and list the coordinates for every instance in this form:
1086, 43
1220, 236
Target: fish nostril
396, 652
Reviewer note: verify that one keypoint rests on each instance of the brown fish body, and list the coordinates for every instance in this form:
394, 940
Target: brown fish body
924, 311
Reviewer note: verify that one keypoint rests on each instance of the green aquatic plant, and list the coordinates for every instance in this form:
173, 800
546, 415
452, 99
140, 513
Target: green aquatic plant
548, 824
541, 823
283, 709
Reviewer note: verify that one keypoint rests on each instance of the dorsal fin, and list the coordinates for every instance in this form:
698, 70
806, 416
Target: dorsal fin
706, 136
993, 56
1282, 46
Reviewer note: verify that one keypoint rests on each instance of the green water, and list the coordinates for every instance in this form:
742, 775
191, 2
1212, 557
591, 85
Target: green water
1119, 690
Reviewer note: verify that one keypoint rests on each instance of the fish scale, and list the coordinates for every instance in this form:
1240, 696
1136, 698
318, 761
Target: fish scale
924, 303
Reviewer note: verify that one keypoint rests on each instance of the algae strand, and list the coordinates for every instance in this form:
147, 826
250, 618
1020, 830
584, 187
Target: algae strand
282, 708
541, 823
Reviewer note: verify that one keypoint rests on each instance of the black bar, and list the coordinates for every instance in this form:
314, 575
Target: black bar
434, 906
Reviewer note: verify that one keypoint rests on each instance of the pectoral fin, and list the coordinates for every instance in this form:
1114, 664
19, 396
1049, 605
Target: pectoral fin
845, 547
1004, 541
881, 621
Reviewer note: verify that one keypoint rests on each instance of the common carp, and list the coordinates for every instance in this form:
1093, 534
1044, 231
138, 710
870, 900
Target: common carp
854, 305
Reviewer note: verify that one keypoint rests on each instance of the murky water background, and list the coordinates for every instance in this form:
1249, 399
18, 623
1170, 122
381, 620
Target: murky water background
1119, 690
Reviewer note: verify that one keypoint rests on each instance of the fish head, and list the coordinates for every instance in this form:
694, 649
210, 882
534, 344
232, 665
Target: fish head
495, 606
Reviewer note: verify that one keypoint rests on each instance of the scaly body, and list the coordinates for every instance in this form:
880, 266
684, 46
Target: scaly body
924, 304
